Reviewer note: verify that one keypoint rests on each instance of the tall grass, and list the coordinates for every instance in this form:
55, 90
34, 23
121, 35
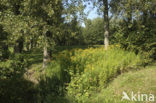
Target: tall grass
93, 68
79, 73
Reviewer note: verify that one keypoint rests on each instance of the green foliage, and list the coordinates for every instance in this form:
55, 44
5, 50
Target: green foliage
93, 33
135, 28
71, 34
17, 90
81, 73
73, 76
13, 68
92, 69
132, 81
25, 24
31, 22
139, 41
13, 87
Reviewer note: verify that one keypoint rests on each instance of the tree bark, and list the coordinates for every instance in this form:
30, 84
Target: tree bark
18, 48
106, 24
32, 43
27, 46
20, 45
45, 56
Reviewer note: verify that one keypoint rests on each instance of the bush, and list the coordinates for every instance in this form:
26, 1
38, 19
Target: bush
13, 87
13, 68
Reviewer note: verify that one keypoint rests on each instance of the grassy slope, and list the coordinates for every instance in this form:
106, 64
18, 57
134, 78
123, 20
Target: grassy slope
143, 81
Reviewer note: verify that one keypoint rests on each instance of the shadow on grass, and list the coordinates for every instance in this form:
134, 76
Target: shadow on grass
52, 89
17, 90
54, 81
14, 88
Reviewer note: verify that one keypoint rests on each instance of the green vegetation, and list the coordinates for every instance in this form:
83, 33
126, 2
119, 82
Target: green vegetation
50, 52
91, 70
78, 73
142, 81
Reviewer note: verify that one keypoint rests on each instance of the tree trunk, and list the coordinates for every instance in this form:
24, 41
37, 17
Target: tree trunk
106, 24
20, 45
35, 44
45, 56
145, 16
18, 48
27, 46
31, 42
129, 18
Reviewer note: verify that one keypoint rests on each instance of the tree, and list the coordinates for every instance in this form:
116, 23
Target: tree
4, 43
49, 12
136, 25
93, 31
26, 21
106, 24
103, 6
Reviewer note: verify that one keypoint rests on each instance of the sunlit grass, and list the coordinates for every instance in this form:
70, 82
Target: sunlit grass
143, 81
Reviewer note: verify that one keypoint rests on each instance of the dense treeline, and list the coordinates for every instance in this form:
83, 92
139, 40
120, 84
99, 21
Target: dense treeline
28, 24
36, 31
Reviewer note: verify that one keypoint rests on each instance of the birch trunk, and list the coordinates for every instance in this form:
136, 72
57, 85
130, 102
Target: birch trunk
45, 56
106, 24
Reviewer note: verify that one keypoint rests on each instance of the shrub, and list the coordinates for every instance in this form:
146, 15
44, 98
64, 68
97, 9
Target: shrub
14, 88
13, 68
